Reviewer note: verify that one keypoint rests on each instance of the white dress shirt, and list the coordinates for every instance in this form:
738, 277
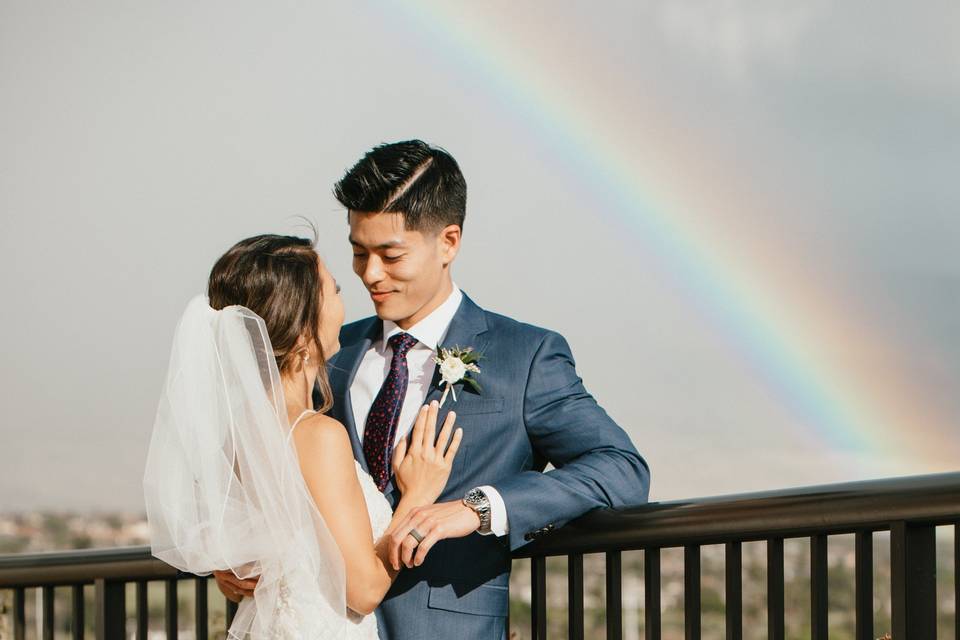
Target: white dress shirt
375, 366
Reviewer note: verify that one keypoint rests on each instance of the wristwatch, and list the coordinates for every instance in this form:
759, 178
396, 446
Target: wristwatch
477, 500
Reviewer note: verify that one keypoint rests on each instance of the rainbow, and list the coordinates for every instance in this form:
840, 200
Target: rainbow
854, 400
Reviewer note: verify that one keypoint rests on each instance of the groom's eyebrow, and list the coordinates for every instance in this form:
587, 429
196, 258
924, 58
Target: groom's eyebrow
386, 245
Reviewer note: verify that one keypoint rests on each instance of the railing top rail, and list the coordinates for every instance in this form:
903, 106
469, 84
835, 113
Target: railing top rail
81, 567
825, 509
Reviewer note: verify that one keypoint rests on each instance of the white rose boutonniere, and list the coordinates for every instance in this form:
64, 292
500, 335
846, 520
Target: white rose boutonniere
455, 366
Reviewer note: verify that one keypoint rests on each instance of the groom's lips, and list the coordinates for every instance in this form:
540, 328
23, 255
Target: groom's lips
380, 296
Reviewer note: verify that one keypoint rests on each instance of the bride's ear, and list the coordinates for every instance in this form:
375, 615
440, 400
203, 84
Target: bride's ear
300, 354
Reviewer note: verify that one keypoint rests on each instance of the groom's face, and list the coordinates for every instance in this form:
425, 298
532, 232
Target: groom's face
406, 272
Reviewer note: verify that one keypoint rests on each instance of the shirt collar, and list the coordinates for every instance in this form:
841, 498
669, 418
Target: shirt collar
431, 330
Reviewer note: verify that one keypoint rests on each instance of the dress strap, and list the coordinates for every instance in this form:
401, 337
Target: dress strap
300, 417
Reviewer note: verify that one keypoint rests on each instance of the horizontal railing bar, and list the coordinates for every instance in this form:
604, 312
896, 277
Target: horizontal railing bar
788, 513
798, 512
63, 568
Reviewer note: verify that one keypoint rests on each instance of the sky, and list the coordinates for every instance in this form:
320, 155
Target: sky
744, 216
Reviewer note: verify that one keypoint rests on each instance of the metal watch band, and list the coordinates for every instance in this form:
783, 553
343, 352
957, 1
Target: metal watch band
477, 500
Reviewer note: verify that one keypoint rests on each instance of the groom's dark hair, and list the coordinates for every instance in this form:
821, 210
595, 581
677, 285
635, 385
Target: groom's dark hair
421, 182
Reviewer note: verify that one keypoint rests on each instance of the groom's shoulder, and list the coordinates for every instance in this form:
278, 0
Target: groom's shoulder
356, 331
522, 331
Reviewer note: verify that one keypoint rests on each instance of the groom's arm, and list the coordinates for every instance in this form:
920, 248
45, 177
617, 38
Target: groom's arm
596, 464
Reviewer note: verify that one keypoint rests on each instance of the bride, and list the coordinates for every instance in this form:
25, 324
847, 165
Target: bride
243, 475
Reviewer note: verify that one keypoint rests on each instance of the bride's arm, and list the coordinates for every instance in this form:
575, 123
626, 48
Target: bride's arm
421, 471
326, 461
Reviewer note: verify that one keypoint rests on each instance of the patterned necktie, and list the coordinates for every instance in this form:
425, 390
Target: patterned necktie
381, 427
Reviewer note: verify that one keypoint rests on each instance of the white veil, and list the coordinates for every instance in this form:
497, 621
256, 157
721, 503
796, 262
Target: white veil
222, 484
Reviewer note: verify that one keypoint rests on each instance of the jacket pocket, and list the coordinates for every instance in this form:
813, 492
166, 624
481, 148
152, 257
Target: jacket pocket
482, 600
467, 404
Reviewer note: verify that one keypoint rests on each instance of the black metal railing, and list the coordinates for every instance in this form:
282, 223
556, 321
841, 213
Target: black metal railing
909, 508
109, 571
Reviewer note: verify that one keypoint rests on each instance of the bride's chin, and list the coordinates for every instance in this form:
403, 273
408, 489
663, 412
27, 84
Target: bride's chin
333, 350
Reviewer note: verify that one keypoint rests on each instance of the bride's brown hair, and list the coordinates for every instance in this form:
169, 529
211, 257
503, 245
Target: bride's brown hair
278, 278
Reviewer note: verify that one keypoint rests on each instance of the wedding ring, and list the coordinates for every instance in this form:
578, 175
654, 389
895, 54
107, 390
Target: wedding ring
416, 535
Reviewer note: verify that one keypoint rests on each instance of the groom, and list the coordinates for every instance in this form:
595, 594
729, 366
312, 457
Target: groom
406, 204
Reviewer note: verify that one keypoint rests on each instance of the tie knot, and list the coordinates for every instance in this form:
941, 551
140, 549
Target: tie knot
401, 344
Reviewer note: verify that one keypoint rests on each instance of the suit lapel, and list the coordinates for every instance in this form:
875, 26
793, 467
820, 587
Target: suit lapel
465, 330
342, 373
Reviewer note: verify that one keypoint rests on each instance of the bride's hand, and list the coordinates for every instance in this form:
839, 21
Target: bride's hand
421, 467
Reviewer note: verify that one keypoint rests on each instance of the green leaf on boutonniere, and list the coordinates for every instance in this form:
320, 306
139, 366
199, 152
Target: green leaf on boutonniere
471, 357
473, 383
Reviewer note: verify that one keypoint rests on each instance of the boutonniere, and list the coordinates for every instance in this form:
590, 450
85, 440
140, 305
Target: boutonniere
455, 365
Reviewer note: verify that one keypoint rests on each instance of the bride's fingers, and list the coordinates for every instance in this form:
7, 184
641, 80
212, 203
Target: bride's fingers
416, 438
454, 446
430, 432
445, 432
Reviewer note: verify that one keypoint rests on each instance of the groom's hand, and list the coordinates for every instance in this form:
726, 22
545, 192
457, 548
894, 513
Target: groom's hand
434, 522
232, 587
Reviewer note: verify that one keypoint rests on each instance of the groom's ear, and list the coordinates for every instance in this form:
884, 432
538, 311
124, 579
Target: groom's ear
449, 241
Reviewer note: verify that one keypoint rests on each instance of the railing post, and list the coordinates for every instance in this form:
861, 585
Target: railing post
818, 587
913, 576
575, 596
200, 608
538, 597
231, 612
733, 570
956, 580
77, 620
111, 609
651, 593
170, 612
614, 596
691, 592
775, 626
864, 585
19, 613
143, 612
46, 608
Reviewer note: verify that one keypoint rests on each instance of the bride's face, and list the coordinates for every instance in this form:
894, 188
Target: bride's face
331, 311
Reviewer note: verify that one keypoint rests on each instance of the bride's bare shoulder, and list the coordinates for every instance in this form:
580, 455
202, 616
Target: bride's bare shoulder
320, 432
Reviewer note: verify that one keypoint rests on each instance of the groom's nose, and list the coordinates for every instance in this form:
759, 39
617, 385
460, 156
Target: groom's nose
372, 271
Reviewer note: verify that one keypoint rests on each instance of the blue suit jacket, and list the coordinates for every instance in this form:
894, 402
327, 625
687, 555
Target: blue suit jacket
533, 409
